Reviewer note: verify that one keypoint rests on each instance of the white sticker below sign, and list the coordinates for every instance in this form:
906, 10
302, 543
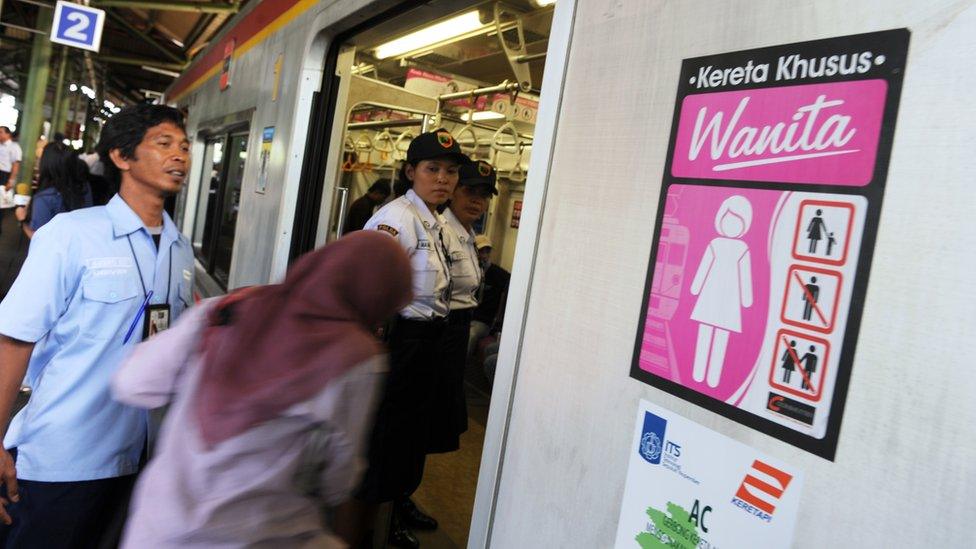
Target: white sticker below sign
690, 487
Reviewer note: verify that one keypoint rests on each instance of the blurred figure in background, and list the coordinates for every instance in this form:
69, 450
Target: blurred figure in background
363, 207
10, 156
62, 187
490, 314
268, 384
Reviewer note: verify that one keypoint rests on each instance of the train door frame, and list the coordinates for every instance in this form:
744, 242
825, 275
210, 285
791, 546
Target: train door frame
523, 266
309, 213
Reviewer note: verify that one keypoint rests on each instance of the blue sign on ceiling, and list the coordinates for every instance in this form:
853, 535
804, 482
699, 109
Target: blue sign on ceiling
77, 26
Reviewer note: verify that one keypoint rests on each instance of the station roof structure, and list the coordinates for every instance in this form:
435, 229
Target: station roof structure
146, 44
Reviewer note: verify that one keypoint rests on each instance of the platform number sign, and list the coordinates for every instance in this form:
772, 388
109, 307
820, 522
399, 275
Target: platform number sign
77, 26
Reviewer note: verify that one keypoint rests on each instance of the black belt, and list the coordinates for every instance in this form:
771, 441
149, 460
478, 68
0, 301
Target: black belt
460, 316
415, 327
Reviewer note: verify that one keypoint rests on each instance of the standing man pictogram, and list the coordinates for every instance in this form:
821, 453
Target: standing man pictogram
810, 297
809, 363
787, 361
815, 231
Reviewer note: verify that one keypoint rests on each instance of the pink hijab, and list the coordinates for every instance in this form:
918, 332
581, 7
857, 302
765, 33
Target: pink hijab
270, 347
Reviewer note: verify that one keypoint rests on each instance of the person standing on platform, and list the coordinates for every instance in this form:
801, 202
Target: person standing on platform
476, 186
363, 207
93, 280
10, 157
398, 446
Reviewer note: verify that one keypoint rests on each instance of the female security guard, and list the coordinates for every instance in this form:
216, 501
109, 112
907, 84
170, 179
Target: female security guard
400, 437
476, 185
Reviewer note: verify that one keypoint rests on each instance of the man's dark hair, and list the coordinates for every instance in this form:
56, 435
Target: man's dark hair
382, 186
126, 130
5, 128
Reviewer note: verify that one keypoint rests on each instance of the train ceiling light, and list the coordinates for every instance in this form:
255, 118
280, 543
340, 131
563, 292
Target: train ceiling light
428, 36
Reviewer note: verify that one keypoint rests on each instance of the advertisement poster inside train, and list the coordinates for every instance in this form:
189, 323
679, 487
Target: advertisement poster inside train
675, 496
766, 227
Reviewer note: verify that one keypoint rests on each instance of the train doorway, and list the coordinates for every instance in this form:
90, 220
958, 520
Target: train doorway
474, 69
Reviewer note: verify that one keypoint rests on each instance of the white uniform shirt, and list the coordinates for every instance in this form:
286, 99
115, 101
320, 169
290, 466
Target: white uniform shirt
466, 274
420, 233
9, 153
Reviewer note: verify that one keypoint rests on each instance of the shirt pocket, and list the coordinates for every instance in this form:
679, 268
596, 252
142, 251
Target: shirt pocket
109, 305
461, 266
424, 265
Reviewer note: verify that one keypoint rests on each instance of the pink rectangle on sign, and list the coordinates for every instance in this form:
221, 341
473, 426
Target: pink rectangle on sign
817, 133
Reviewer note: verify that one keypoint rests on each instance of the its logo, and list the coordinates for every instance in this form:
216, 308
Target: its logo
484, 169
445, 139
652, 439
761, 489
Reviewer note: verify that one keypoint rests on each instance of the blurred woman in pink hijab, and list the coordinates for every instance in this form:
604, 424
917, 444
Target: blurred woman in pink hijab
262, 383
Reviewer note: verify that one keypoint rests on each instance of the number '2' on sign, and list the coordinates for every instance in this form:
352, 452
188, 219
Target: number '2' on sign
77, 26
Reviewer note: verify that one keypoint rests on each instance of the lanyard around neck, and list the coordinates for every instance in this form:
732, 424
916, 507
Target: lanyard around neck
169, 277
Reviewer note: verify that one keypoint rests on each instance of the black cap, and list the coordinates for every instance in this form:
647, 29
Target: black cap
477, 172
435, 144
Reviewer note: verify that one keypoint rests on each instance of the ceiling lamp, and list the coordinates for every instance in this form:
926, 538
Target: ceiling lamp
427, 36
482, 115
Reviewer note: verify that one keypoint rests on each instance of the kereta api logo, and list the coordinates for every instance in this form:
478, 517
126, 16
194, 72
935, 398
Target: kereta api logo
761, 489
652, 438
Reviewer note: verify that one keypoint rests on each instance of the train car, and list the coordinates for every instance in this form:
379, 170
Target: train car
810, 391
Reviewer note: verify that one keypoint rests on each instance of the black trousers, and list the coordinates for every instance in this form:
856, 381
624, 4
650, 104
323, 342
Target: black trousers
398, 445
450, 417
68, 515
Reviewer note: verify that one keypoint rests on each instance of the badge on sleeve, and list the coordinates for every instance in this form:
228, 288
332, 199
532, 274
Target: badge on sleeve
387, 229
157, 320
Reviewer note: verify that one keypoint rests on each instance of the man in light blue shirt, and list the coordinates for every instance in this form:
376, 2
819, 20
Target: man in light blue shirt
79, 304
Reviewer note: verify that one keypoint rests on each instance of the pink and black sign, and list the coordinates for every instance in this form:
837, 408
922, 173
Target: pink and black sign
766, 228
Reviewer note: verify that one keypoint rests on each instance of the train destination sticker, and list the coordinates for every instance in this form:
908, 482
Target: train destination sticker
676, 497
766, 226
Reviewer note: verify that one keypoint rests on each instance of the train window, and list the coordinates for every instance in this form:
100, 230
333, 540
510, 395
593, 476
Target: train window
215, 225
212, 163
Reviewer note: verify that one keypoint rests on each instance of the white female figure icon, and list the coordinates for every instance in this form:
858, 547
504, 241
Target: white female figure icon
723, 284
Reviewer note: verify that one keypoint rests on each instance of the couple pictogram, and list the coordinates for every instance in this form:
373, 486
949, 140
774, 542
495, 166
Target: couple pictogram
791, 361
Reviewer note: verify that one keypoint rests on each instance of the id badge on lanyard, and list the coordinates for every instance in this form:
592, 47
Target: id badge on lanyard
155, 317
156, 320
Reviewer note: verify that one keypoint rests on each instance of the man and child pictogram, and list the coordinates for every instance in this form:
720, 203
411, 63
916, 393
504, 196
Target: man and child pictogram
802, 354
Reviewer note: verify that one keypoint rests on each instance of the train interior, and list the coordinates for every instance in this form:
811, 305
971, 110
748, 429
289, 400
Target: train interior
476, 72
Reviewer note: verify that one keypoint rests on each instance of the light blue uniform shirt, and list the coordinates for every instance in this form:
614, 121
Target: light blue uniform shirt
76, 296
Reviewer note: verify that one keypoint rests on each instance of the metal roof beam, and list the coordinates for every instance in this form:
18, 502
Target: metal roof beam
144, 37
140, 61
171, 5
